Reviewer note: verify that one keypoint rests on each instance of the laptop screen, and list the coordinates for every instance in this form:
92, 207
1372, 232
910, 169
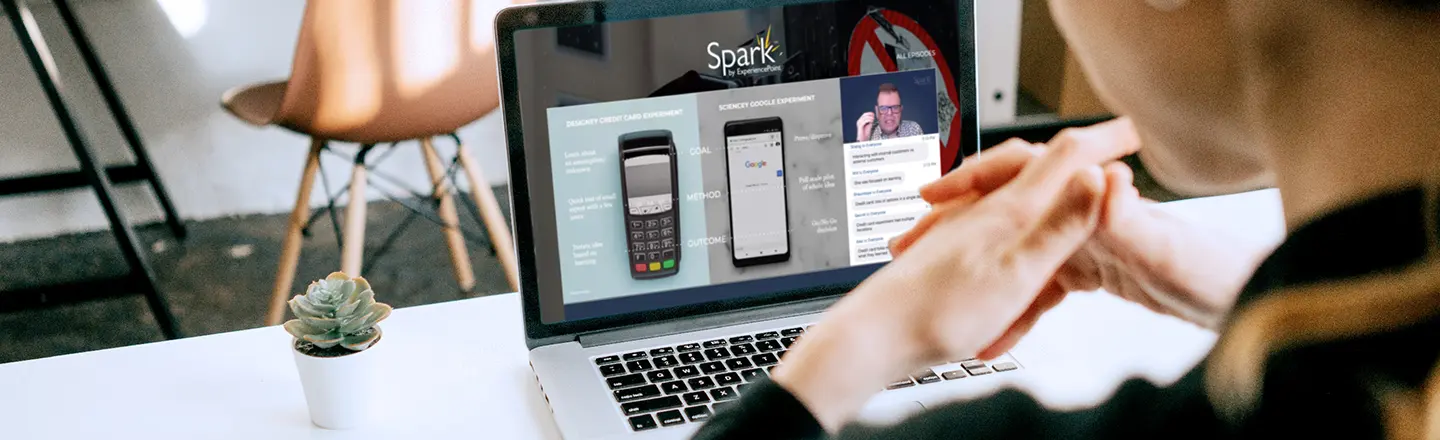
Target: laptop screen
690, 159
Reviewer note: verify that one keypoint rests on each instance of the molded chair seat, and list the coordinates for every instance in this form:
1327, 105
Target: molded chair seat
256, 104
382, 71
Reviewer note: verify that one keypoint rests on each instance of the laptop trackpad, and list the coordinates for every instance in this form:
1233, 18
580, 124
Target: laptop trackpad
890, 413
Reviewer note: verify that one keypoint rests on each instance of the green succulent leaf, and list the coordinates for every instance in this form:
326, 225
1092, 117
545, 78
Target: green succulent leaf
317, 296
301, 306
335, 310
326, 340
300, 329
360, 341
321, 323
358, 324
361, 286
360, 305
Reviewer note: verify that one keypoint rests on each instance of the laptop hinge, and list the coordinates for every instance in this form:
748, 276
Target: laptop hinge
704, 322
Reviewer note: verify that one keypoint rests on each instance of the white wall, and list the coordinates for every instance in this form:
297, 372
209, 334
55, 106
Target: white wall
997, 26
171, 68
214, 165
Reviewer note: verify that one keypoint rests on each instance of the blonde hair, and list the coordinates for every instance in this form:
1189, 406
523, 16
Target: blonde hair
1296, 317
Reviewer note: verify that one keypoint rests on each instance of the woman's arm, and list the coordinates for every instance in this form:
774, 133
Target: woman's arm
1138, 410
958, 288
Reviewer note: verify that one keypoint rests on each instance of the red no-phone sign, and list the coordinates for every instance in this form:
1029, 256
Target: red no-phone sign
868, 55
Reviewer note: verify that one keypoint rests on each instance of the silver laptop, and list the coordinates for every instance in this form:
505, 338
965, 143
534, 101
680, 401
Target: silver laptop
693, 182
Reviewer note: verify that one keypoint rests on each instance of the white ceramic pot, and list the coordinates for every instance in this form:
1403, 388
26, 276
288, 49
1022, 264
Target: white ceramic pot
337, 389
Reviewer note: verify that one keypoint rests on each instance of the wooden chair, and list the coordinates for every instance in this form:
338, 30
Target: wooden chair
382, 71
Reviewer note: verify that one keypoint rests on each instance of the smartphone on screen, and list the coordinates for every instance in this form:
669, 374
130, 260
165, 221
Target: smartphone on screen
652, 206
755, 168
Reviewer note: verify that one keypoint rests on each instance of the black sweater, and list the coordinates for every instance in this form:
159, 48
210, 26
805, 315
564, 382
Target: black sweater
1324, 390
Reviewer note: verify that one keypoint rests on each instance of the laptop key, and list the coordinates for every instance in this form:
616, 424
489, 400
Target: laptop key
925, 377
1005, 366
712, 367
634, 356
693, 357
697, 397
670, 418
687, 347
625, 381
741, 387
764, 359
739, 363
645, 406
723, 393
952, 375
700, 383
675, 387
742, 349
612, 370
902, 383
730, 378
661, 351
792, 331
972, 364
607, 360
638, 366
720, 406
697, 413
788, 340
687, 371
982, 370
637, 393
714, 343
767, 335
641, 423
769, 345
741, 339
658, 376
752, 374
666, 362
717, 353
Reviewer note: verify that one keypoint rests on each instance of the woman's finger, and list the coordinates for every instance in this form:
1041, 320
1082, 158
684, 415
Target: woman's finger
902, 242
990, 170
1053, 226
1120, 192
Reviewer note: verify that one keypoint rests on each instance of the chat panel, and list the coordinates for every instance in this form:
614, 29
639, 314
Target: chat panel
883, 191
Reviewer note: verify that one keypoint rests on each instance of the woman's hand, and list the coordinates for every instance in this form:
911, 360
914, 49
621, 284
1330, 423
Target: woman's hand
1139, 251
957, 288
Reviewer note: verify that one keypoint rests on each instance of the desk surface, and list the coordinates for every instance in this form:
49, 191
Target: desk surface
460, 369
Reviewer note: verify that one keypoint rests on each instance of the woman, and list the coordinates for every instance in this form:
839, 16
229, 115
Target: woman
1335, 335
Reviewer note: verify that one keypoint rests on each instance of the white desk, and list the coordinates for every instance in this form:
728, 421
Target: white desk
459, 370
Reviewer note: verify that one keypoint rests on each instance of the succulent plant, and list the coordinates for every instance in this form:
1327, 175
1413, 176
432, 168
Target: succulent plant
337, 311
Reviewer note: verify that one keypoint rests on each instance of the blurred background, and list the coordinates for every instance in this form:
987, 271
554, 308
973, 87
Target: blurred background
66, 283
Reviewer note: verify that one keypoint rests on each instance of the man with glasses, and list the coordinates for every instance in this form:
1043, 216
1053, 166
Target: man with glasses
887, 107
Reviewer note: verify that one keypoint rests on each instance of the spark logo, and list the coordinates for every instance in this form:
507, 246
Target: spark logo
760, 164
732, 62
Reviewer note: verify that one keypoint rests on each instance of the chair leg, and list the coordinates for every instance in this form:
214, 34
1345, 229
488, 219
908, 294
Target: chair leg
290, 249
459, 255
493, 217
353, 254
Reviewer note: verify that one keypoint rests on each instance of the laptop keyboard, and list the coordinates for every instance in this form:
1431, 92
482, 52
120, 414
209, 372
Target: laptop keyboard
674, 385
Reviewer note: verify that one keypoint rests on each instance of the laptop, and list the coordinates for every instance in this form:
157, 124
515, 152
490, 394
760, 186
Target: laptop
693, 182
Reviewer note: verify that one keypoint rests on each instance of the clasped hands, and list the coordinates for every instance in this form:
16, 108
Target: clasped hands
1010, 235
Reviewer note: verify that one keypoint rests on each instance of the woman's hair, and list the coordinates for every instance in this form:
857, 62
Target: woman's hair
1316, 314
1422, 5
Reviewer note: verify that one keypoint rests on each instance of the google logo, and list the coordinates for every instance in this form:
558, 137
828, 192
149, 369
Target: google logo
760, 164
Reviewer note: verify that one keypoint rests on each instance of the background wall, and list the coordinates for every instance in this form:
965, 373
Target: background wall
172, 59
